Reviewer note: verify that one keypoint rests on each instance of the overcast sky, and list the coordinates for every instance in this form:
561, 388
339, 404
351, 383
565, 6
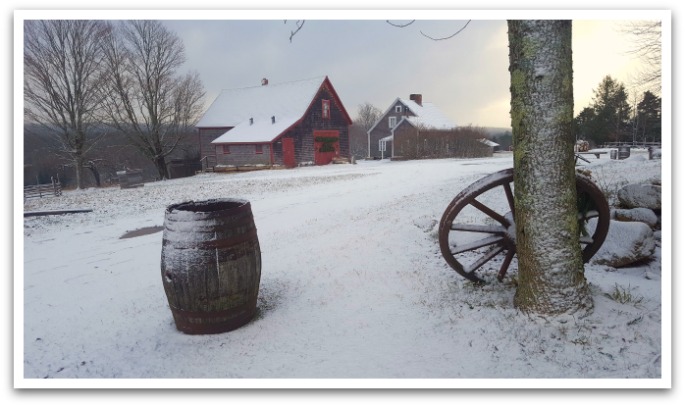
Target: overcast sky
369, 60
372, 61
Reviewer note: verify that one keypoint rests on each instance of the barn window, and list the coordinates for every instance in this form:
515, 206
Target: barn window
392, 122
258, 149
398, 108
326, 109
227, 149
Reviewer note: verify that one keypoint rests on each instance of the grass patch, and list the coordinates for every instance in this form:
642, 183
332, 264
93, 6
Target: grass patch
624, 295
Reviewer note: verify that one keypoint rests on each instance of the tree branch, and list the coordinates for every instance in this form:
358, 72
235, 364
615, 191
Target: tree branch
400, 25
448, 37
298, 24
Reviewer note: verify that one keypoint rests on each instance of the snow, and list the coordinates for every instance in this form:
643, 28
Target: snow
354, 291
427, 114
262, 129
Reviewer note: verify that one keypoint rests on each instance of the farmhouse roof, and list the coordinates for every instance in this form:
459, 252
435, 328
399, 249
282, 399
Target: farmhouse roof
262, 113
427, 115
488, 142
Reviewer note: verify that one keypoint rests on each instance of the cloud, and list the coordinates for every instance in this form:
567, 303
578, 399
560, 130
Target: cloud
372, 61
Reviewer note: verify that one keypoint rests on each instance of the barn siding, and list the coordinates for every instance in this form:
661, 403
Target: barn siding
303, 133
243, 154
207, 149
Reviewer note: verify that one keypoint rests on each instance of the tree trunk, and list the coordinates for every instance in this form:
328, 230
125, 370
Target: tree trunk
96, 173
551, 273
160, 162
78, 162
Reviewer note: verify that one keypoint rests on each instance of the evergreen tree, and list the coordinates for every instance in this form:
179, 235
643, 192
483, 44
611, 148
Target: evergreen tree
649, 118
608, 118
584, 125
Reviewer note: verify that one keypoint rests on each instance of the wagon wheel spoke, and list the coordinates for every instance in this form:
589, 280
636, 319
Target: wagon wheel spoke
485, 209
585, 239
500, 239
478, 244
510, 196
505, 265
477, 228
588, 215
473, 231
484, 259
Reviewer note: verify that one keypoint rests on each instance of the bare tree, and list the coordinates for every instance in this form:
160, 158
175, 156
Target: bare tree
551, 272
62, 78
647, 47
367, 115
146, 100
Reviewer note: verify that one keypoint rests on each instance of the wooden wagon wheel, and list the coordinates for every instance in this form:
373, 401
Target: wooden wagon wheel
477, 230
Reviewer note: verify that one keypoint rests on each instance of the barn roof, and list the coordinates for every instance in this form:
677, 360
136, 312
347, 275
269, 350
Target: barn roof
261, 113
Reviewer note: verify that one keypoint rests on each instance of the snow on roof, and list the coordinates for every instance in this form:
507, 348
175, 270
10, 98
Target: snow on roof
427, 115
286, 102
488, 142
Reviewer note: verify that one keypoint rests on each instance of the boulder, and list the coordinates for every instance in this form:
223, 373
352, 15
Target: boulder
640, 195
625, 244
640, 214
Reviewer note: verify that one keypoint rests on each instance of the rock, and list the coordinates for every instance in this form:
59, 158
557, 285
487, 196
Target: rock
640, 214
640, 195
625, 244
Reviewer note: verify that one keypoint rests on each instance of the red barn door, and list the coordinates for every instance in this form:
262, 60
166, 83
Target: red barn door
289, 153
326, 146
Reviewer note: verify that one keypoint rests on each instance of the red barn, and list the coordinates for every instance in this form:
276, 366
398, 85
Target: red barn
288, 124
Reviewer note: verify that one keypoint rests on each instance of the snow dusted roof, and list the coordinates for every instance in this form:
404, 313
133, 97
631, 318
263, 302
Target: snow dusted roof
427, 115
286, 102
488, 142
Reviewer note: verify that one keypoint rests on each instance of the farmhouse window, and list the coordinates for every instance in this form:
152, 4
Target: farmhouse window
227, 149
258, 149
326, 109
392, 122
398, 108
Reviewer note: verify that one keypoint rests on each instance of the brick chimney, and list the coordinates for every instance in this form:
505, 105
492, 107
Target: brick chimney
416, 98
265, 81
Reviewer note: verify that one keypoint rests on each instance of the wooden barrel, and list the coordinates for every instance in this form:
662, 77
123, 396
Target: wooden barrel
211, 264
623, 152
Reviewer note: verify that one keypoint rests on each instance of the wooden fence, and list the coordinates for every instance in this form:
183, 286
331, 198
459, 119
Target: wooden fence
45, 189
638, 144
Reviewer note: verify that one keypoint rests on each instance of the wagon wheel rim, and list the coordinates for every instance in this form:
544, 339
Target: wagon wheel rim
499, 239
599, 209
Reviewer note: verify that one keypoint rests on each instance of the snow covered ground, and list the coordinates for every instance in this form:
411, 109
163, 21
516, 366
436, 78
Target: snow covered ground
353, 287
